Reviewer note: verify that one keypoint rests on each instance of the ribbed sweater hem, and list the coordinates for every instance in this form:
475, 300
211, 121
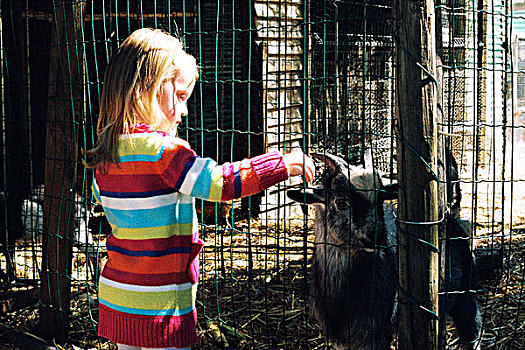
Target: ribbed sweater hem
148, 331
270, 169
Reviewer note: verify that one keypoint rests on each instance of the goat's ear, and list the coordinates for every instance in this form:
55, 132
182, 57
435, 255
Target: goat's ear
390, 191
334, 163
307, 196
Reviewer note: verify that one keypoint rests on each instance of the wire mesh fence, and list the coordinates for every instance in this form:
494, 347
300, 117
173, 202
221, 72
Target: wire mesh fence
274, 74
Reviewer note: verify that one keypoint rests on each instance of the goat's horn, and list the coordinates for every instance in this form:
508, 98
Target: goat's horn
335, 163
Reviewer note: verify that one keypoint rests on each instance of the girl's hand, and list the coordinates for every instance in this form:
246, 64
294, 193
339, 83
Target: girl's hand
298, 164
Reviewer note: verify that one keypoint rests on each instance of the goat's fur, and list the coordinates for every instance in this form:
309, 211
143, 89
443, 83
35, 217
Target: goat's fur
354, 265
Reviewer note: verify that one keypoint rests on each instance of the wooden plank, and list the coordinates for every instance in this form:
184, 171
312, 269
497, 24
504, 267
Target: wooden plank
418, 190
290, 47
65, 104
481, 98
280, 9
48, 17
287, 145
288, 131
286, 114
282, 80
276, 139
279, 64
283, 98
278, 30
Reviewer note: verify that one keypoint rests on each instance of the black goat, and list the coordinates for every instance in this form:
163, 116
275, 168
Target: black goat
354, 265
457, 298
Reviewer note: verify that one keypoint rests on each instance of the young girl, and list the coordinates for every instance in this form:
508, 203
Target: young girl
146, 179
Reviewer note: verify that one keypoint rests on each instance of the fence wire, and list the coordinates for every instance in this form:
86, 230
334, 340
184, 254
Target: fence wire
275, 74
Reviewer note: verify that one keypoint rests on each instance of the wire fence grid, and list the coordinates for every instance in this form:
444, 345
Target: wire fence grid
275, 74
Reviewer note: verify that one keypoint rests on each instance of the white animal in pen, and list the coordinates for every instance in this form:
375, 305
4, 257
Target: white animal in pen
33, 226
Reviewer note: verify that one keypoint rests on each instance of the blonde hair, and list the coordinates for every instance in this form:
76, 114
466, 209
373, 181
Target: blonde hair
146, 59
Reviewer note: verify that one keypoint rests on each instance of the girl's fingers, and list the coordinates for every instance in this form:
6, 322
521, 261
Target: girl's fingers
300, 164
309, 169
310, 174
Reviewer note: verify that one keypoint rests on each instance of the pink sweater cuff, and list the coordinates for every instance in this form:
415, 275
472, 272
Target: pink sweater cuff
270, 169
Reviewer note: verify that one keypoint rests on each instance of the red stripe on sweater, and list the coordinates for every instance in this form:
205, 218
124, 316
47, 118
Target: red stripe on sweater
173, 263
250, 182
141, 279
112, 182
228, 186
156, 244
148, 331
172, 164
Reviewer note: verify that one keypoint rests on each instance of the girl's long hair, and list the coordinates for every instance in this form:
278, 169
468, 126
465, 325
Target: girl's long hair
146, 59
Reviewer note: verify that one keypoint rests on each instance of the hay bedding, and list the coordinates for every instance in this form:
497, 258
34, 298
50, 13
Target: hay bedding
267, 308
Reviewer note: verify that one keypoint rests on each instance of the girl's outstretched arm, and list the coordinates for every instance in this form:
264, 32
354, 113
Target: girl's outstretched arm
204, 178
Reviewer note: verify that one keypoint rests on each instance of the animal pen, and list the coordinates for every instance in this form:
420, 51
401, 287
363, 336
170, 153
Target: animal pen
321, 75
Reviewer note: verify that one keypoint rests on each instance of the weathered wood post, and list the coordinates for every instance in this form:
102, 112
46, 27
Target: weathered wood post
65, 103
417, 168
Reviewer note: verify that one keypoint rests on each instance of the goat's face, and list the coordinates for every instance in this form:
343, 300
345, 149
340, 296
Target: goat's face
349, 205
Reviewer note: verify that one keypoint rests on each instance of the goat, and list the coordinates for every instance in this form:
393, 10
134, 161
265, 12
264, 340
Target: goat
354, 265
458, 300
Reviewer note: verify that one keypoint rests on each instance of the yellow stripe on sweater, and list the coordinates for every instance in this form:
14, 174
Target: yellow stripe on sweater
153, 232
140, 144
149, 300
216, 184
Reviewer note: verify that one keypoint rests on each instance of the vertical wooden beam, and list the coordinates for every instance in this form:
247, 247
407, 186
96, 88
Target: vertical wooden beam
442, 173
417, 165
481, 79
64, 111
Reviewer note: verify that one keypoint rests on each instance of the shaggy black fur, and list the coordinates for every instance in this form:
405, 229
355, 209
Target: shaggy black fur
354, 265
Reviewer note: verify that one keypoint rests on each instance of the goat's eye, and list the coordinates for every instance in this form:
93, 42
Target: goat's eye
340, 204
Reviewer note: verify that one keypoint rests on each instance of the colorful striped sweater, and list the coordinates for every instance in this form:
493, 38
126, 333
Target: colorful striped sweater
148, 286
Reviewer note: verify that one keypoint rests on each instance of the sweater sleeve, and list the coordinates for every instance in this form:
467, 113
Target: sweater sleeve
203, 178
95, 191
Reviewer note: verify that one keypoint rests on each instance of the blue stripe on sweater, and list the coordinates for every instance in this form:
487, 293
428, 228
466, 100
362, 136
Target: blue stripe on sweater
182, 176
156, 217
137, 194
238, 184
202, 186
146, 312
150, 253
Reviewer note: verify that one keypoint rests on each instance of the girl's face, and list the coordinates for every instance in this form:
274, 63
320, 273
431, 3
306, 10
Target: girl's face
173, 96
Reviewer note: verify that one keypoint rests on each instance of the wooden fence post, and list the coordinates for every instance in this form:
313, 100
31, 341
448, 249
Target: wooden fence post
417, 168
65, 104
